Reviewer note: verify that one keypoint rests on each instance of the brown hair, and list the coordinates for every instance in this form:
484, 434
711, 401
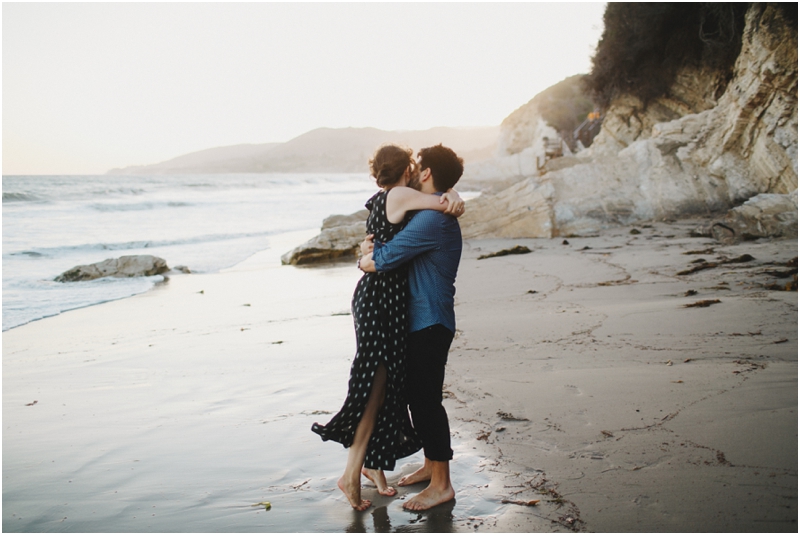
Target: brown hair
389, 163
445, 165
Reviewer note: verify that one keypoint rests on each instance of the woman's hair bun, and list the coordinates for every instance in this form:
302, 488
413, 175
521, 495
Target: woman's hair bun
389, 163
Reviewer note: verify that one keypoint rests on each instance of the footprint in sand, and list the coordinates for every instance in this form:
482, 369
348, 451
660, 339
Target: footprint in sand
574, 389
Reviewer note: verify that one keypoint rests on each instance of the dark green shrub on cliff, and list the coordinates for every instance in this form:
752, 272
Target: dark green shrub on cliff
644, 45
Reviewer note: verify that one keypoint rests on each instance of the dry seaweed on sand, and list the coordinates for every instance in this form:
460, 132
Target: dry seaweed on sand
520, 502
723, 260
778, 274
699, 267
704, 303
736, 260
518, 249
509, 416
790, 286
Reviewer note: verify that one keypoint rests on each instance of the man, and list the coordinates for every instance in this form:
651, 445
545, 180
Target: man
431, 242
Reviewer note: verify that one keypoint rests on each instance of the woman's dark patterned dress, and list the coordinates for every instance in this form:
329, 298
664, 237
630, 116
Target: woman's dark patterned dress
379, 312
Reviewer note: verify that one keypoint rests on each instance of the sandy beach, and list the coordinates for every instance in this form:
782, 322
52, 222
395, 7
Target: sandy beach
579, 377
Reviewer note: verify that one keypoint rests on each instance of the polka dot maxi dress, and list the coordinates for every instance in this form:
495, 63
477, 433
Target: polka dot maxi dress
379, 312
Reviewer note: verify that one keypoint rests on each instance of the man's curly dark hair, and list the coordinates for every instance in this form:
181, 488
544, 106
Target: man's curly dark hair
445, 165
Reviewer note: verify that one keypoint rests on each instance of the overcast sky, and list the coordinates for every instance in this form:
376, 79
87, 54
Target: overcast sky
88, 87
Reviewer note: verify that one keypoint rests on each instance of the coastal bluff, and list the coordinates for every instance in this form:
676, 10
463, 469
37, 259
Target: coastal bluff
686, 154
717, 145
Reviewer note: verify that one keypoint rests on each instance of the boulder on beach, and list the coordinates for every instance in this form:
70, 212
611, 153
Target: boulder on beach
124, 266
763, 216
333, 221
340, 238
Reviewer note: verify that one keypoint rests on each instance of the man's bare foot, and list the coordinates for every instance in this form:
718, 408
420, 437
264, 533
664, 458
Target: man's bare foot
379, 479
429, 498
423, 474
353, 495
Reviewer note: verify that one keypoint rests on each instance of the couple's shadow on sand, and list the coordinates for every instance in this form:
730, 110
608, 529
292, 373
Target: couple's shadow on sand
436, 520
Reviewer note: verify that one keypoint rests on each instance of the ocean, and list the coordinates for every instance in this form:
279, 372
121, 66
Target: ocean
204, 222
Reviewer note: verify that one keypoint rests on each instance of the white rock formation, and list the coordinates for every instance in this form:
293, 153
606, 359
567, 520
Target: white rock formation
522, 139
649, 166
124, 266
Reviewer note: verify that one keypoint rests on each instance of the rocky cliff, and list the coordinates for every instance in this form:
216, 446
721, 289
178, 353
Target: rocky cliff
705, 147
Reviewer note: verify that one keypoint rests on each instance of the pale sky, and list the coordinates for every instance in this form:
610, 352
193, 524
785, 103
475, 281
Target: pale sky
92, 86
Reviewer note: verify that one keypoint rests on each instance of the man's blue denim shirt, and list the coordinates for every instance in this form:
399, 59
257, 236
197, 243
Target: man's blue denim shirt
432, 242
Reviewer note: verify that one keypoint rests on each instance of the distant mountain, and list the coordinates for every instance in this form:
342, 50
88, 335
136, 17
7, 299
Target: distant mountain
333, 150
217, 160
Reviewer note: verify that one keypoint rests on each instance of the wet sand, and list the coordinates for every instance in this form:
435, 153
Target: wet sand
180, 409
578, 378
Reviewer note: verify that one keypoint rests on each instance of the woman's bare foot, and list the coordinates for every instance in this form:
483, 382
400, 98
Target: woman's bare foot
379, 479
423, 474
353, 495
429, 498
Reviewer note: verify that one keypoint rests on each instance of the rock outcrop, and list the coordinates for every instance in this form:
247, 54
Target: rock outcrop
767, 215
529, 132
124, 266
339, 239
688, 154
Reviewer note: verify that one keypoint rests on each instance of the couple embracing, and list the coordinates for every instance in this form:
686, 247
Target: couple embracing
405, 322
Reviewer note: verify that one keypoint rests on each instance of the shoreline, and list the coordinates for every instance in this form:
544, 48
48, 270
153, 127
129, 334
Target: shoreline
265, 257
577, 378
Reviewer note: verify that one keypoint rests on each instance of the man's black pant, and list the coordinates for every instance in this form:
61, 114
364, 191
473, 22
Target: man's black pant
426, 357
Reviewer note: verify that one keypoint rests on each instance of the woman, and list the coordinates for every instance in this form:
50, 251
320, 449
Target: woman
374, 421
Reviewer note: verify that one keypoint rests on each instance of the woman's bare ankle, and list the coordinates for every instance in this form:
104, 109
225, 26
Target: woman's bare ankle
353, 494
378, 477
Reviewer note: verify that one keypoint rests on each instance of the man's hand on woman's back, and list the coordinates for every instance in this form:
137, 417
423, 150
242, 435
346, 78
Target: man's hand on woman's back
367, 246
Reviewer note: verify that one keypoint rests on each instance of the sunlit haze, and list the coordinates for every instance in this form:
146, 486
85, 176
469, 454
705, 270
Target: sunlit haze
92, 86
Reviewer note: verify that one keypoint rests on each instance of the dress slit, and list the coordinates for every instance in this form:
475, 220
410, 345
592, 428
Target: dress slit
379, 308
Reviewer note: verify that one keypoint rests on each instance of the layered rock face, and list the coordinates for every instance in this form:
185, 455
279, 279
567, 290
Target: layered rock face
124, 266
687, 154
